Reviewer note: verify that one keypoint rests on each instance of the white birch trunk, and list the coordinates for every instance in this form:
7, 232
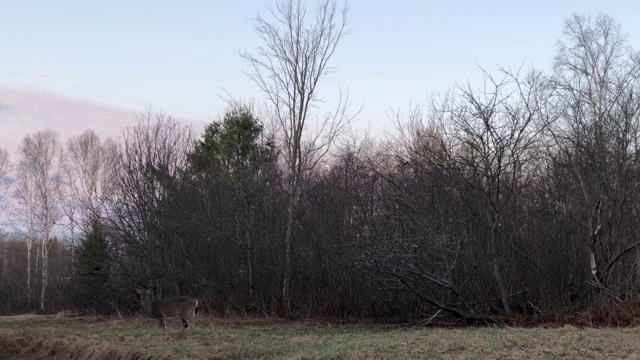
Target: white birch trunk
29, 250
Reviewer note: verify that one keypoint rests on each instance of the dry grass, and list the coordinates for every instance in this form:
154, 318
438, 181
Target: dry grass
59, 337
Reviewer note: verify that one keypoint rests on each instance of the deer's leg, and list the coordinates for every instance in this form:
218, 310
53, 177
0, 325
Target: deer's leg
185, 322
163, 323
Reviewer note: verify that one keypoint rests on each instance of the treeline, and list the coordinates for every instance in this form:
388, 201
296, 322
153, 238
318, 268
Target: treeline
520, 196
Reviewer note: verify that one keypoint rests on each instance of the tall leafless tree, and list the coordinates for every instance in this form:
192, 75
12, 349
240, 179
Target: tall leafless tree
38, 190
298, 47
90, 174
596, 79
24, 211
145, 217
497, 132
5, 179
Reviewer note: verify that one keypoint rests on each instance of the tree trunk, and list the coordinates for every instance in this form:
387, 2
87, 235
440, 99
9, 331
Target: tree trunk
497, 273
45, 272
29, 249
288, 241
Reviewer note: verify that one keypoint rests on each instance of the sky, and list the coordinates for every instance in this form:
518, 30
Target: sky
73, 65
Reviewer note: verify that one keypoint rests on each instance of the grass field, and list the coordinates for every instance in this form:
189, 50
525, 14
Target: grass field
59, 337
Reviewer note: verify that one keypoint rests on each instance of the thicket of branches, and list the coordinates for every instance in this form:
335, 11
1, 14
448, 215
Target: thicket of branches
519, 196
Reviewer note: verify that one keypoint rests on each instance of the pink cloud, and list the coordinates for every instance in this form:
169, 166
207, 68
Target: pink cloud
26, 111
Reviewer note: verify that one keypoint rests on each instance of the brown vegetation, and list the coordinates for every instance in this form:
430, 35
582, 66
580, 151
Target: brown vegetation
55, 337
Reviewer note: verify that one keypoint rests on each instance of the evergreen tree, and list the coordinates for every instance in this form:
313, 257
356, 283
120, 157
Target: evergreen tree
93, 264
231, 143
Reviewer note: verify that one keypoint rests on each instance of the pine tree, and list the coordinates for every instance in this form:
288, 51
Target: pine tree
93, 265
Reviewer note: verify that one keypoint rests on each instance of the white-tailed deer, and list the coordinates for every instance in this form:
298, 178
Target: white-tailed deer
183, 307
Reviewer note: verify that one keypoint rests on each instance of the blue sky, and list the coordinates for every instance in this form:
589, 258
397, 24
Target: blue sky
72, 65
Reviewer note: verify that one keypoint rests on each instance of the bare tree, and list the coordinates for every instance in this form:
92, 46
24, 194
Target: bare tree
458, 198
90, 169
24, 210
145, 216
38, 191
288, 69
596, 80
5, 179
497, 133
